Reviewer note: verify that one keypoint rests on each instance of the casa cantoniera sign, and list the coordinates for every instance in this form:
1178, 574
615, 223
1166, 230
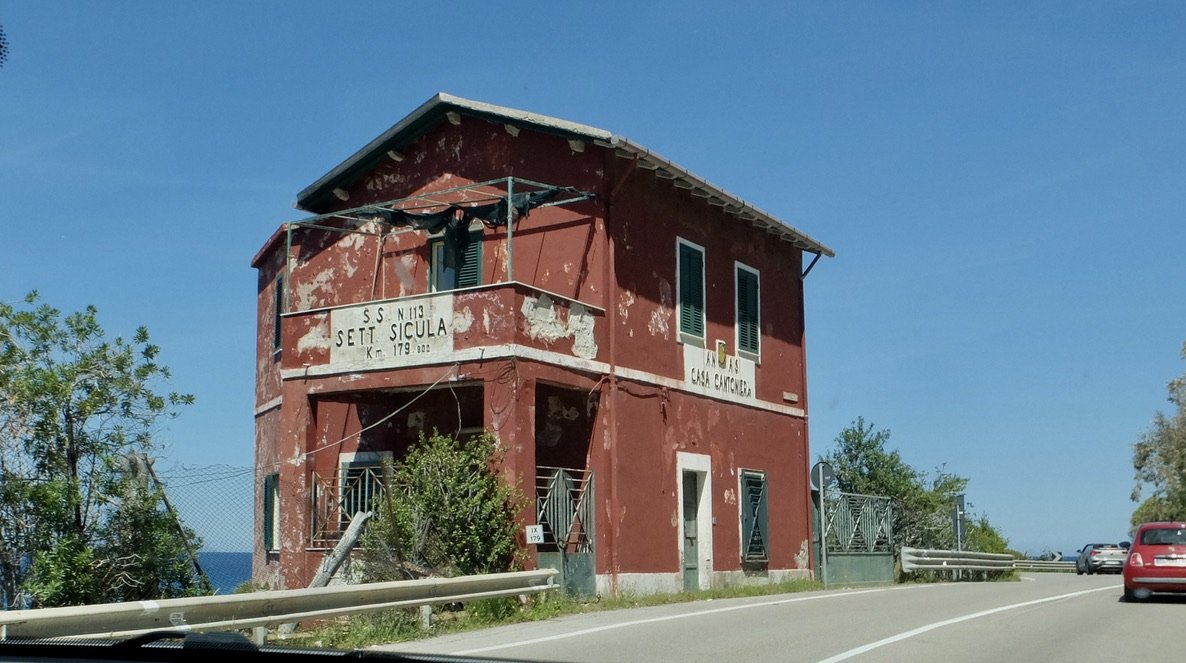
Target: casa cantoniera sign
392, 333
727, 377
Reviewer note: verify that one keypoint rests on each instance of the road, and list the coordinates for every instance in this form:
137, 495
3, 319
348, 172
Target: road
1045, 617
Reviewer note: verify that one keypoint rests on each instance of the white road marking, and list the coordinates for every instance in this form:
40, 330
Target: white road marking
844, 656
652, 620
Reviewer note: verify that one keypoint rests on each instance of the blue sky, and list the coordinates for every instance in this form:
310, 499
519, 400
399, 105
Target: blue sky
1003, 186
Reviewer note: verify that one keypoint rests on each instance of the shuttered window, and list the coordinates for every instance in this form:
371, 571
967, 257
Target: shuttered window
462, 269
691, 290
748, 330
469, 265
279, 310
754, 534
271, 512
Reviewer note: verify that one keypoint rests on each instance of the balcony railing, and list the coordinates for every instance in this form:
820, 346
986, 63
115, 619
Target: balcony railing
335, 499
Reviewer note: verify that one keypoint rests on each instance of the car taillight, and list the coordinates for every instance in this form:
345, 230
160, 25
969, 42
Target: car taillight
1134, 559
1094, 553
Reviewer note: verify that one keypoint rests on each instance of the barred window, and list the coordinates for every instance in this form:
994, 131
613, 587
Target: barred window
360, 482
754, 533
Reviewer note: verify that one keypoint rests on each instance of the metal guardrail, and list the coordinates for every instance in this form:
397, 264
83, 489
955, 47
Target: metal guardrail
1041, 565
918, 559
239, 611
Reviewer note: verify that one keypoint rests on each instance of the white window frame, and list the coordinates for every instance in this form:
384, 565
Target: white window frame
436, 265
748, 354
356, 459
685, 337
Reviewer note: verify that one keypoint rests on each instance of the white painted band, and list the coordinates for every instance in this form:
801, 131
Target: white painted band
556, 359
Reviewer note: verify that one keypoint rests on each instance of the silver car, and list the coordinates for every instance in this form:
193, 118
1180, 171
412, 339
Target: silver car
1100, 558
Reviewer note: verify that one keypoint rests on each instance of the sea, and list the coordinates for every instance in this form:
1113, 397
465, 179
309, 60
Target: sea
226, 570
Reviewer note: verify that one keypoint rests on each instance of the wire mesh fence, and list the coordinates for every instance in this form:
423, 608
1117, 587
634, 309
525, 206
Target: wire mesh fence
217, 503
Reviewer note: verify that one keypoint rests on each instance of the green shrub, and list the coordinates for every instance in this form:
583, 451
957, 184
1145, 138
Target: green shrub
447, 511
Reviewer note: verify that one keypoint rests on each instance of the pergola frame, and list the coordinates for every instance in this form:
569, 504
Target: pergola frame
502, 189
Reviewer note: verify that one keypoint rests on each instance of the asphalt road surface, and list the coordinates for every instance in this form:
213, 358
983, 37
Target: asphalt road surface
1045, 617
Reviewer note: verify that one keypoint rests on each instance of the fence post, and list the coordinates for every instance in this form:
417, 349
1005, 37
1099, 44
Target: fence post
331, 563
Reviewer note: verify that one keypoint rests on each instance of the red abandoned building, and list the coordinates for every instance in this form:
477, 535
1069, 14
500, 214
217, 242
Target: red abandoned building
632, 335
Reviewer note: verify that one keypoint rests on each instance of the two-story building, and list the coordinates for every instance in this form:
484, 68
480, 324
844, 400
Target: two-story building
631, 334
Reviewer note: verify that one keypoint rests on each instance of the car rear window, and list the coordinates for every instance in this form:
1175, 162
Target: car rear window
1163, 537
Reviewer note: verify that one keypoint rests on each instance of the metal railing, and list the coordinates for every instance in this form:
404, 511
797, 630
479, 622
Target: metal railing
1042, 565
564, 507
858, 523
258, 609
917, 559
335, 499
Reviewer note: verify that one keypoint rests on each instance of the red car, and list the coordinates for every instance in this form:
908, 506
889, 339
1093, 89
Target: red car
1157, 560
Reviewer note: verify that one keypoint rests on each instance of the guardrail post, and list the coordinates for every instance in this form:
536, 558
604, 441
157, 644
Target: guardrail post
426, 617
259, 635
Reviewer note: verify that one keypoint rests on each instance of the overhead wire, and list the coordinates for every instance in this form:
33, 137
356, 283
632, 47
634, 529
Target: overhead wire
452, 370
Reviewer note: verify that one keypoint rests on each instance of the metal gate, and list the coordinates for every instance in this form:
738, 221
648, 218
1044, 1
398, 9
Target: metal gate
858, 531
564, 508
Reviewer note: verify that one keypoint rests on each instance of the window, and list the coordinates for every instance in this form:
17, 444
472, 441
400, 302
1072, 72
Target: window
360, 481
691, 290
279, 311
1163, 537
754, 535
272, 512
456, 264
748, 329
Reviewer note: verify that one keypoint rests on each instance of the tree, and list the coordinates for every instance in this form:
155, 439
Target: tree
75, 408
447, 511
922, 502
1159, 461
981, 536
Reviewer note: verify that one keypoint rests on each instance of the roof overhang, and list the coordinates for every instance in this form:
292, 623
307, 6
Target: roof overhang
318, 197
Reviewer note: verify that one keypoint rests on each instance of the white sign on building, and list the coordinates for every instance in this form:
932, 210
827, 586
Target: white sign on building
392, 333
727, 377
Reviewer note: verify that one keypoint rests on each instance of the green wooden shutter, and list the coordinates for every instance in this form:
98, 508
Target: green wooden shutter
754, 535
691, 291
279, 310
747, 311
271, 487
469, 263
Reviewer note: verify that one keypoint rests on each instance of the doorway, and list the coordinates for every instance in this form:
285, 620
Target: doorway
691, 546
694, 488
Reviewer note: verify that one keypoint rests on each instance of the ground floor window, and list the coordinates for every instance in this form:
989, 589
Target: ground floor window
360, 483
754, 533
271, 512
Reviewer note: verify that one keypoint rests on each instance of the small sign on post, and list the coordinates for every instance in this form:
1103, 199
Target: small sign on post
822, 475
535, 534
957, 520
